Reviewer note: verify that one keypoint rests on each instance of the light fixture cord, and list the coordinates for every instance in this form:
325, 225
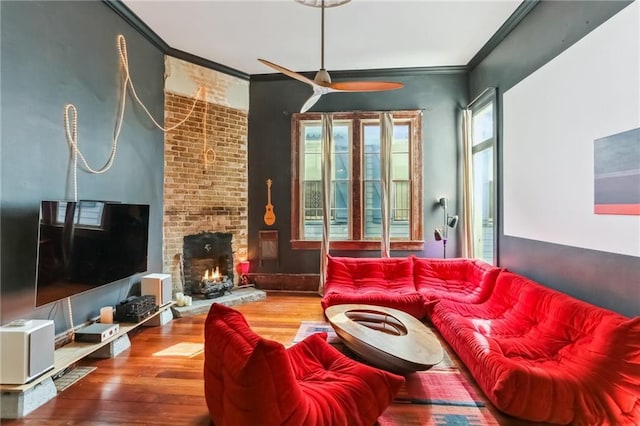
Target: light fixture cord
71, 120
206, 152
124, 60
322, 36
72, 333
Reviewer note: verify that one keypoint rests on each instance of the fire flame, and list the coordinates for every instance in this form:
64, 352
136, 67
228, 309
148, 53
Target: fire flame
215, 275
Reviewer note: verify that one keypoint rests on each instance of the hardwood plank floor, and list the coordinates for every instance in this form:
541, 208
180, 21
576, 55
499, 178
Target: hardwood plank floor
139, 388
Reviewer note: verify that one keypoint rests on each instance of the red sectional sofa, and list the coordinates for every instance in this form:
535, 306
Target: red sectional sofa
373, 281
462, 280
537, 354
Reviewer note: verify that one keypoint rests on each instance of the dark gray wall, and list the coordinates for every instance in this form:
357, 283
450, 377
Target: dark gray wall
605, 279
54, 53
439, 93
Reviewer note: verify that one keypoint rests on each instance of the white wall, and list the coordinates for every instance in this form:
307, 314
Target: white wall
551, 120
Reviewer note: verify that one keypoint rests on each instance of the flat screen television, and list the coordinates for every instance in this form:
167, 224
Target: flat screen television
83, 245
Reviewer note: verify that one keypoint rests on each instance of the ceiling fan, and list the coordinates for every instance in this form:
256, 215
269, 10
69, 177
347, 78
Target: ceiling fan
321, 83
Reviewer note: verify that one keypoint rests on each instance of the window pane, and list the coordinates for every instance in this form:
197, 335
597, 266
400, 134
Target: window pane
401, 136
341, 165
372, 213
400, 201
312, 210
483, 204
371, 138
312, 166
341, 136
483, 124
372, 166
399, 227
340, 211
400, 166
312, 137
371, 156
400, 173
312, 200
311, 177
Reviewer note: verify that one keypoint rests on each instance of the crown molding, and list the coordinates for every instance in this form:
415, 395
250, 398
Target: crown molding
516, 17
194, 59
138, 24
373, 73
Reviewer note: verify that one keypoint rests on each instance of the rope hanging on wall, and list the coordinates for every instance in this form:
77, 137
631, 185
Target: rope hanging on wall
206, 152
71, 121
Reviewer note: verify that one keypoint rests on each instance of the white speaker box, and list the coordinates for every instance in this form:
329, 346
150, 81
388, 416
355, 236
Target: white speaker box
26, 350
158, 285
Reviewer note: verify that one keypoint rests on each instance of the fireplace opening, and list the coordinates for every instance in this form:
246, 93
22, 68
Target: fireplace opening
207, 264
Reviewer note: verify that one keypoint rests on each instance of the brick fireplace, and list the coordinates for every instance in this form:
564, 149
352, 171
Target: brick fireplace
202, 255
205, 188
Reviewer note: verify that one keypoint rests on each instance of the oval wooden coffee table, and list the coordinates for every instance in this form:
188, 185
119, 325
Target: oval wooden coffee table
385, 337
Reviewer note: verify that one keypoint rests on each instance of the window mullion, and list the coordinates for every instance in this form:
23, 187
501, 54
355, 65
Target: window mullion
356, 181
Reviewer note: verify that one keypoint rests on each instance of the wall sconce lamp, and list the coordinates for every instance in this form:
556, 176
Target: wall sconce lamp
441, 234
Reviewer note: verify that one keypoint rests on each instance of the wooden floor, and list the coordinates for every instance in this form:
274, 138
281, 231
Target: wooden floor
138, 388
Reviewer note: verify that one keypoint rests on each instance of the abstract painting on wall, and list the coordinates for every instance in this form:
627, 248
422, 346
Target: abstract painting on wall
617, 174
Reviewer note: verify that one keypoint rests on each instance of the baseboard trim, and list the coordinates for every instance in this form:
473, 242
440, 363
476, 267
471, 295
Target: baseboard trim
286, 282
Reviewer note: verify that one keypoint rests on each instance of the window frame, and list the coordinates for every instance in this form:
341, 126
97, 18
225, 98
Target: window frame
490, 98
356, 240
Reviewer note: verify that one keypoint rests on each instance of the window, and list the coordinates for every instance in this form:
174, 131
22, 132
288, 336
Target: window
483, 151
356, 183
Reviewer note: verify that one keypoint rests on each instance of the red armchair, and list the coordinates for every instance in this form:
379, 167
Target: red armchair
249, 380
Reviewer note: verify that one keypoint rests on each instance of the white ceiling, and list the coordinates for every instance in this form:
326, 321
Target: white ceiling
362, 34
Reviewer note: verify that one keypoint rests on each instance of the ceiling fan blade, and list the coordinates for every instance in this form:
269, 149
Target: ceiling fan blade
288, 72
311, 101
364, 86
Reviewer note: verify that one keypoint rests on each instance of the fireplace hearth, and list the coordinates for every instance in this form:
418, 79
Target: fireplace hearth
207, 264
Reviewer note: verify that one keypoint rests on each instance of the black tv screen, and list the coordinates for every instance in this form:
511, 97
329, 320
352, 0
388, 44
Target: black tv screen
86, 244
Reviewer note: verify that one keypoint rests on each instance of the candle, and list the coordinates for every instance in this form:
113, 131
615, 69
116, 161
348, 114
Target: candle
180, 299
106, 315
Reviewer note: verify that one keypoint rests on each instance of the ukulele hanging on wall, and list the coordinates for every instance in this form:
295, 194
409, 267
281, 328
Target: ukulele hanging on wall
269, 215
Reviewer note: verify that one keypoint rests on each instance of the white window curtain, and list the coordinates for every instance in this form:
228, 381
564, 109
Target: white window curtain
386, 140
325, 152
467, 185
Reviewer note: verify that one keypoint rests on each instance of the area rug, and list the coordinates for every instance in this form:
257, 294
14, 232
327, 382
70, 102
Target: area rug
436, 415
438, 397
307, 328
439, 387
70, 377
441, 395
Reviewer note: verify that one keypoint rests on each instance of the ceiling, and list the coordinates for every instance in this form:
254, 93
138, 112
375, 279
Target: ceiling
362, 34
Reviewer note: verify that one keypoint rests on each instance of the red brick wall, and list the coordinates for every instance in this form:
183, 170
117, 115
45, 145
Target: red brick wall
203, 196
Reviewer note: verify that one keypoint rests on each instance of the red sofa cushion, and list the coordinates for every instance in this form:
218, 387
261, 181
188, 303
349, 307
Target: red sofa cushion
250, 380
462, 280
373, 281
542, 355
